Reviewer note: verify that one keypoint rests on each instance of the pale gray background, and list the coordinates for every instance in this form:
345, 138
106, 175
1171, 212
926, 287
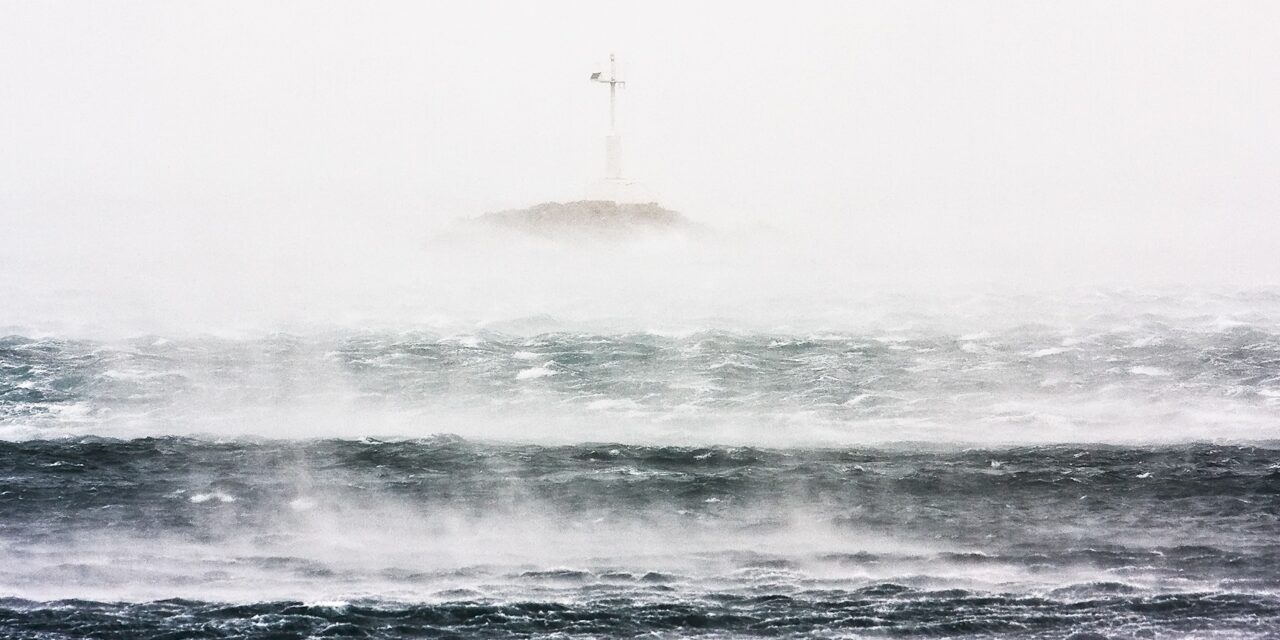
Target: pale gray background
1065, 142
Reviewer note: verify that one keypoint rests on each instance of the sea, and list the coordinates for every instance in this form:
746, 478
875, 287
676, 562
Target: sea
1091, 464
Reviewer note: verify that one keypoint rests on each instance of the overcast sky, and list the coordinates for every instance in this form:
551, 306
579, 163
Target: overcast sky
988, 123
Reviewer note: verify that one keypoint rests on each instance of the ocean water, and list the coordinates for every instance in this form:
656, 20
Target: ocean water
1103, 466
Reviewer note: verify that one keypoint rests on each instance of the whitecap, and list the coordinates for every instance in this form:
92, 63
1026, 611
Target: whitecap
302, 504
1146, 341
535, 372
206, 497
1050, 351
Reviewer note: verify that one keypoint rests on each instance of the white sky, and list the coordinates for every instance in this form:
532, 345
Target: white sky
1085, 128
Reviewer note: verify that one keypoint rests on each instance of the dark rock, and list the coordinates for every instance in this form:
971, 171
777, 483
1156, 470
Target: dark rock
592, 216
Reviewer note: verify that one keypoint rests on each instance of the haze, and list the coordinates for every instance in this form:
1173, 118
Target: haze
206, 148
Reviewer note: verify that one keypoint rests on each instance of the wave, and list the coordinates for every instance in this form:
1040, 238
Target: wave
1195, 515
880, 610
1108, 385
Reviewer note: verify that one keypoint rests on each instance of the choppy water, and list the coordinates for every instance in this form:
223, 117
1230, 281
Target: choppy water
1117, 475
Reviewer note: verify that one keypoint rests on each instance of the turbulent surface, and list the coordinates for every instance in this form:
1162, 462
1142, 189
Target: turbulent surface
1199, 378
1117, 475
442, 535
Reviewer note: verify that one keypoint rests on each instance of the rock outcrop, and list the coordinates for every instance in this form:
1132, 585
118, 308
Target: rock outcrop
589, 216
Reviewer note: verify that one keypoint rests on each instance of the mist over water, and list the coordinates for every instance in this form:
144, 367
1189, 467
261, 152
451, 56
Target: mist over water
731, 432
722, 434
709, 338
789, 276
976, 332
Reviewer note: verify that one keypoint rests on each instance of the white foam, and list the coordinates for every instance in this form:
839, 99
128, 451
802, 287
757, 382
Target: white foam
218, 496
1049, 351
535, 372
302, 504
